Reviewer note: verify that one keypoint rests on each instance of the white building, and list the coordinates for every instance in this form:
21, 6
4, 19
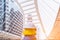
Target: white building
1, 13
44, 13
13, 18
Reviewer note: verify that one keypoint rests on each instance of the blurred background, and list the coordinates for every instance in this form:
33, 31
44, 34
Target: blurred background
25, 19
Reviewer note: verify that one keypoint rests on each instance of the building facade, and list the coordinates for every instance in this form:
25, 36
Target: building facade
2, 13
11, 18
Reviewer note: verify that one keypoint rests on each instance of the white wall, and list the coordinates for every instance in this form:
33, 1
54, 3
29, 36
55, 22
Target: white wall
48, 11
